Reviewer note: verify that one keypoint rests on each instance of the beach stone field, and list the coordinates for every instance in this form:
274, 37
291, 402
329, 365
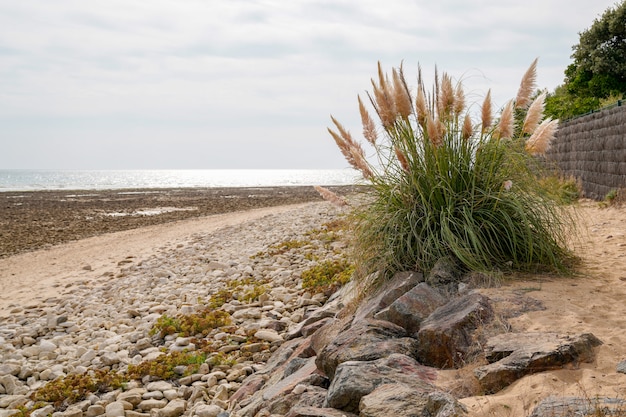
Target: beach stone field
106, 322
39, 219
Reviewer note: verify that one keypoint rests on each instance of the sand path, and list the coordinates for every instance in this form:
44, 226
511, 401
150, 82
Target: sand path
29, 278
594, 302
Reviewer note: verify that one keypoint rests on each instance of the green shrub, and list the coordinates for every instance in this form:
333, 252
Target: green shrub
163, 366
444, 185
200, 323
328, 276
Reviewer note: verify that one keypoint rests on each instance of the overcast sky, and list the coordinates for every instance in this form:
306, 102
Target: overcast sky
176, 84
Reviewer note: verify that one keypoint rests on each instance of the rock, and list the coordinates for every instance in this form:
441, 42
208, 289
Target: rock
442, 404
445, 337
268, 335
10, 369
310, 397
574, 406
109, 358
208, 410
356, 379
514, 355
368, 340
318, 412
159, 386
445, 271
133, 396
47, 346
147, 405
289, 383
621, 367
95, 410
402, 400
172, 409
73, 412
10, 384
393, 400
115, 409
388, 293
43, 412
10, 413
133, 413
413, 307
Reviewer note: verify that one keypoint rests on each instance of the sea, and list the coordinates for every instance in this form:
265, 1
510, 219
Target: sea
38, 180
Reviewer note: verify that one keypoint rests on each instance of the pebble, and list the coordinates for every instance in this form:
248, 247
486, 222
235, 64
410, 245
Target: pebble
104, 321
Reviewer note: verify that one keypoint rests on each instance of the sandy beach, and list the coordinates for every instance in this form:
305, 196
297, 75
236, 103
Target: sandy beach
594, 301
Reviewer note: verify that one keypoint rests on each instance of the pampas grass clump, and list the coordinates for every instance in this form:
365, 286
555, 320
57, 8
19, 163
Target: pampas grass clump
446, 184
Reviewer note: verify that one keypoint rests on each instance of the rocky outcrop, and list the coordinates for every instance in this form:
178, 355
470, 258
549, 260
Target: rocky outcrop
445, 337
365, 341
410, 309
514, 355
402, 400
356, 379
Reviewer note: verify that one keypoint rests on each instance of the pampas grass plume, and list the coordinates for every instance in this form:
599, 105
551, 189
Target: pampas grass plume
527, 86
534, 114
540, 140
404, 163
331, 197
402, 97
369, 128
507, 121
486, 113
421, 107
468, 130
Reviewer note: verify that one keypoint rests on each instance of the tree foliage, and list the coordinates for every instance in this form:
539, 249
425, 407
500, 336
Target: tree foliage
599, 67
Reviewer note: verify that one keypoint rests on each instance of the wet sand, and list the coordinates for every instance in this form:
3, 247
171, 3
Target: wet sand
41, 219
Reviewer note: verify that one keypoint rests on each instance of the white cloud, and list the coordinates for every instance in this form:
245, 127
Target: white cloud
141, 69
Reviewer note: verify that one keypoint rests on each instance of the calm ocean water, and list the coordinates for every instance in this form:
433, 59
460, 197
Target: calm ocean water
33, 180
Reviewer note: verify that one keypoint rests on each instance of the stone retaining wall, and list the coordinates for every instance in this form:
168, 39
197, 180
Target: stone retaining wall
592, 148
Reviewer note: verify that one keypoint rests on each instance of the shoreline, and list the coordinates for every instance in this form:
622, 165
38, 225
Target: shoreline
32, 220
28, 279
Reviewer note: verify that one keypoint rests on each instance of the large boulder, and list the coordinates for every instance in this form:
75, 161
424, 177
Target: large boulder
445, 337
401, 400
365, 341
413, 307
356, 379
514, 355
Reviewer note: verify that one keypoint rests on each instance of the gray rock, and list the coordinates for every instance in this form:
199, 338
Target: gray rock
388, 293
574, 406
445, 337
115, 409
356, 379
10, 369
95, 410
365, 341
402, 400
147, 405
413, 307
10, 413
172, 409
159, 386
514, 355
43, 412
205, 410
133, 396
621, 367
318, 412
